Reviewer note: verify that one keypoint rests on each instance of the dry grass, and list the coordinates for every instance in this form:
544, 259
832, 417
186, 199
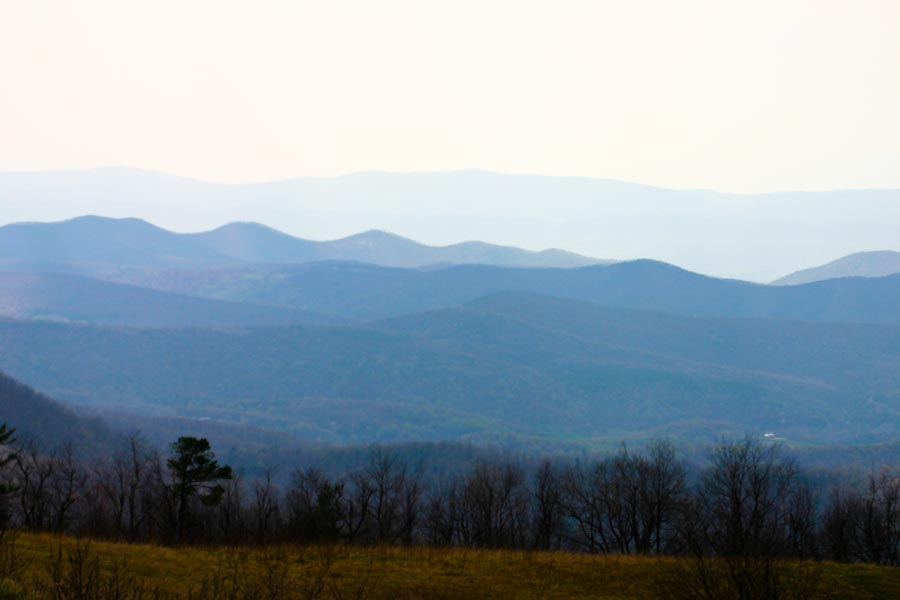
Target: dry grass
338, 572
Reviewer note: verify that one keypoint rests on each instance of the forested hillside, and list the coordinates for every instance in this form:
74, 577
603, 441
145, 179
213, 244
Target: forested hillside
508, 366
41, 419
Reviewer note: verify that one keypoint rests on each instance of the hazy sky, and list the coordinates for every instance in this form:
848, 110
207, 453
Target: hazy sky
731, 95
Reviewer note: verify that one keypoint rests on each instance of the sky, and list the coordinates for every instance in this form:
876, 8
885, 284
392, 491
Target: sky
728, 95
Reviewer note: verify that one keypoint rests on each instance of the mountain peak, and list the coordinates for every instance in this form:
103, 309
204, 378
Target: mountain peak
875, 263
246, 227
376, 234
100, 219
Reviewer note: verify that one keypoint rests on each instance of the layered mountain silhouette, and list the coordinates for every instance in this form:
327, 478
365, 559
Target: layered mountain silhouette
248, 274
862, 264
750, 236
377, 338
100, 240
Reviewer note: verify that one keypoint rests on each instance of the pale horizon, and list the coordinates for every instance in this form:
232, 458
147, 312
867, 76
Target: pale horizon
225, 182
736, 98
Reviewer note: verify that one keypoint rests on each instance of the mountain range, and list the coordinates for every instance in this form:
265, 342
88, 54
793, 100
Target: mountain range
333, 293
130, 241
256, 335
757, 237
129, 272
366, 292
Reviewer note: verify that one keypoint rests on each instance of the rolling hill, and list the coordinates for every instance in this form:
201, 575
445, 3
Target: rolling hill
510, 366
862, 264
253, 242
133, 242
64, 297
98, 240
367, 292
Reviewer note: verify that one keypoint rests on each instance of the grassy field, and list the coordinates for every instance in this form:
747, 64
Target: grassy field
56, 567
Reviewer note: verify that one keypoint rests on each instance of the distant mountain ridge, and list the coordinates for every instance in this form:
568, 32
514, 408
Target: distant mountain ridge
711, 232
93, 239
250, 274
879, 263
367, 292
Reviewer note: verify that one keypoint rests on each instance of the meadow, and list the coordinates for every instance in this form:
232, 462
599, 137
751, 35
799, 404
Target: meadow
50, 566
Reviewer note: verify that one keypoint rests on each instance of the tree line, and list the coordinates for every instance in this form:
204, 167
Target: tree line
749, 503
